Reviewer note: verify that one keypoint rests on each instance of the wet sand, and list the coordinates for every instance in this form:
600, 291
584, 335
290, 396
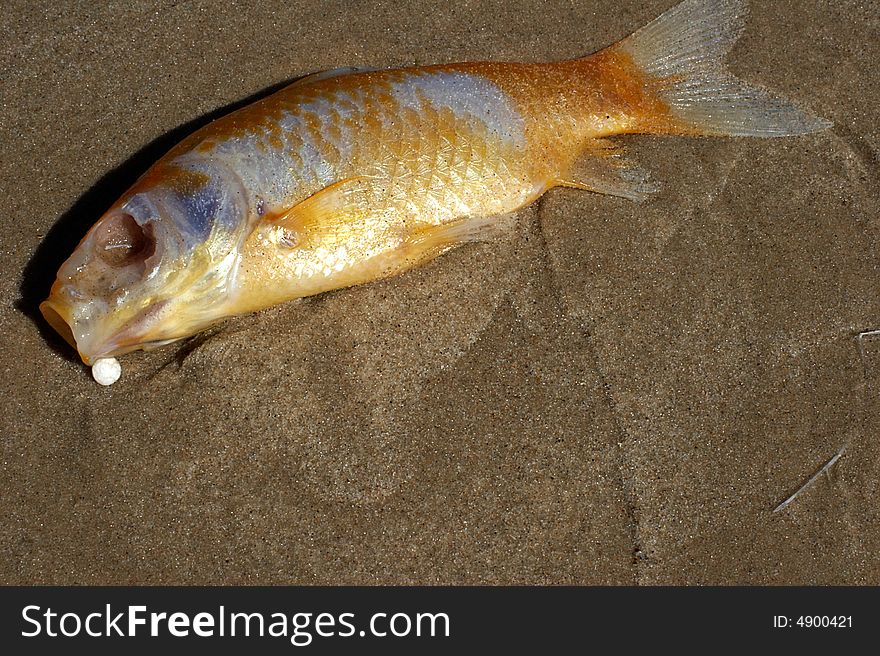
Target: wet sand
619, 393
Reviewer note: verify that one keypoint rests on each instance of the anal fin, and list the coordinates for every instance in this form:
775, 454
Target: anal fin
602, 169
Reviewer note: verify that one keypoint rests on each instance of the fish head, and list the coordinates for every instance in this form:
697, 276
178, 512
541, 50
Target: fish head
158, 266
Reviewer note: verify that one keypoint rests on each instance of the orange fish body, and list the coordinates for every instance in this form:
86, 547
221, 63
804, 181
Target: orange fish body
414, 166
347, 177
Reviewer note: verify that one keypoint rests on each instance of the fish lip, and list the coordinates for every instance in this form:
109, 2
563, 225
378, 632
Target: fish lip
59, 315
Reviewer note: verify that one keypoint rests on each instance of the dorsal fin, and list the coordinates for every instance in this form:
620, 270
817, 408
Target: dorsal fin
333, 72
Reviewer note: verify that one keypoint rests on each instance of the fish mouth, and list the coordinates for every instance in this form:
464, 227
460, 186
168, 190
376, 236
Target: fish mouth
131, 336
58, 316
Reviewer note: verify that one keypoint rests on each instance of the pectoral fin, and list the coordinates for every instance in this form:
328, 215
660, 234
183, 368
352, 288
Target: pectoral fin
325, 217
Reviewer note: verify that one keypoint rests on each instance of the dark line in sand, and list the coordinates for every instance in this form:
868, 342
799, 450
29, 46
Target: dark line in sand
627, 483
860, 148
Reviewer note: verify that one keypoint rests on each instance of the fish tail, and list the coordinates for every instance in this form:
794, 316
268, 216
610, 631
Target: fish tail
681, 55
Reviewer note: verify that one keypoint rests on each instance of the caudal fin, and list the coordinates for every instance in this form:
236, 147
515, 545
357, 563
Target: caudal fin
682, 54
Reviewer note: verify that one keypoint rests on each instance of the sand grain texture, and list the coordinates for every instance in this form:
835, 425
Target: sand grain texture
619, 393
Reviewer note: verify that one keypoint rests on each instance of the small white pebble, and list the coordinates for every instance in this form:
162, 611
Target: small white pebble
106, 371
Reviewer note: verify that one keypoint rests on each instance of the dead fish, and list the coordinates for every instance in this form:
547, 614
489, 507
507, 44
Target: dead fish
351, 176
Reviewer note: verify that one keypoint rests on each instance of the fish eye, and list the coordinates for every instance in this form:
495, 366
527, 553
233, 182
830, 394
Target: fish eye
121, 241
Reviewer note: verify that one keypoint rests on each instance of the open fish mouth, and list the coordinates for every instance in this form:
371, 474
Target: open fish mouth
58, 316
